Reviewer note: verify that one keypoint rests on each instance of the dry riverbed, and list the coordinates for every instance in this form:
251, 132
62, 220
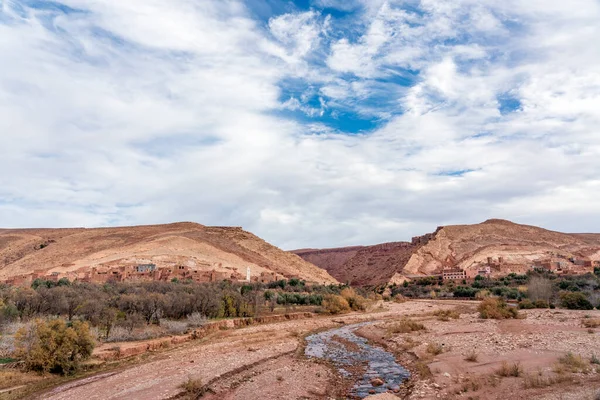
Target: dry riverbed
268, 361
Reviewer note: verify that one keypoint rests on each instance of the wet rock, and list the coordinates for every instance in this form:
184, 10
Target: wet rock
377, 382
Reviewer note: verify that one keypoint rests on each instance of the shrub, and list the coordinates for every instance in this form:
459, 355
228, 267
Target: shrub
590, 323
196, 320
193, 387
174, 327
572, 363
355, 301
445, 315
435, 348
53, 346
541, 304
594, 360
540, 381
471, 356
496, 309
335, 304
406, 325
399, 298
526, 304
575, 301
506, 370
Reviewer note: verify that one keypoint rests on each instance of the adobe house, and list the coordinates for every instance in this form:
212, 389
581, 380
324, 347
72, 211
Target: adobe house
453, 274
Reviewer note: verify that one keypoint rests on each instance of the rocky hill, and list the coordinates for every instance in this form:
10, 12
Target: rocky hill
227, 250
361, 265
502, 245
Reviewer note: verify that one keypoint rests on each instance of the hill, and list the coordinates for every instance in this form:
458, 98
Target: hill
501, 245
361, 265
190, 249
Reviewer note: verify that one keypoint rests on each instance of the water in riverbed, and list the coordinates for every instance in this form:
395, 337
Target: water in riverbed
345, 349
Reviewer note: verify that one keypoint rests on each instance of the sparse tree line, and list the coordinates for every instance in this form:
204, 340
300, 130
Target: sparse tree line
52, 326
535, 289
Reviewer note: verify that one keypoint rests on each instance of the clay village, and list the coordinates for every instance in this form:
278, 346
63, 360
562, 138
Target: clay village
144, 272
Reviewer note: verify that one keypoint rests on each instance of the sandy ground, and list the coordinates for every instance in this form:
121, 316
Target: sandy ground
266, 361
535, 343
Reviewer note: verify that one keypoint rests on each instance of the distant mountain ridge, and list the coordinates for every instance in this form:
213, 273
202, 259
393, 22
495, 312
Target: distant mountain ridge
503, 245
229, 251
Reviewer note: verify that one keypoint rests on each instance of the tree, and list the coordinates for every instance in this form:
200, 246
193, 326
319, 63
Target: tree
335, 304
53, 346
575, 301
540, 288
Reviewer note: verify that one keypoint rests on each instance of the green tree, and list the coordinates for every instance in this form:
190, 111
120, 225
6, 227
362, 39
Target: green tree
575, 301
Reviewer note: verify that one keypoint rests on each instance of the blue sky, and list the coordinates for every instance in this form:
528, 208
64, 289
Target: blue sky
311, 123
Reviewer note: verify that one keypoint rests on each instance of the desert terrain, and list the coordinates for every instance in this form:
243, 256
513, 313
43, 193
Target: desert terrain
268, 361
70, 253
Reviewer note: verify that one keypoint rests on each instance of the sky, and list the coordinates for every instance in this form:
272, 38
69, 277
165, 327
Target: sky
311, 123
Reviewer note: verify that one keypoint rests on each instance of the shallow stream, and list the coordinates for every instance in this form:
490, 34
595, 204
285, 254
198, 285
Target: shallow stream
346, 350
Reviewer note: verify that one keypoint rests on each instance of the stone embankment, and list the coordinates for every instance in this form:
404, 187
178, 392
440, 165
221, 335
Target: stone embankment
111, 351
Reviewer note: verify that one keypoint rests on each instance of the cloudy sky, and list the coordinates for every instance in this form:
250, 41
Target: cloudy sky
312, 123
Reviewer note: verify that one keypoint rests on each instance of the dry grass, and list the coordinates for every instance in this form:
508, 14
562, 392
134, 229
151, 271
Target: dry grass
491, 308
193, 387
423, 370
435, 349
507, 369
409, 343
405, 325
471, 356
539, 380
446, 315
590, 322
11, 378
571, 363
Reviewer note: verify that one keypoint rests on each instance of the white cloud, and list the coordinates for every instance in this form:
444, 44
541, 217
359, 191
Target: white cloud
154, 111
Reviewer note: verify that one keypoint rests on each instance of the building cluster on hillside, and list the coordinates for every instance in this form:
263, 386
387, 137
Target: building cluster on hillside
141, 273
566, 266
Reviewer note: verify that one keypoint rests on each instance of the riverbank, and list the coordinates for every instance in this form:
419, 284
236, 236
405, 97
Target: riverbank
549, 354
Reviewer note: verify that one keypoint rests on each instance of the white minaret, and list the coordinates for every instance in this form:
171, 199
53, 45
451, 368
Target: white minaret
248, 274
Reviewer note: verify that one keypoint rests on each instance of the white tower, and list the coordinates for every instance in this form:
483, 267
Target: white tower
248, 274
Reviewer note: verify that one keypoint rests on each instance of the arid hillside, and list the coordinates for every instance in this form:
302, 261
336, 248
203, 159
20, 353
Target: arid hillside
361, 265
501, 245
226, 250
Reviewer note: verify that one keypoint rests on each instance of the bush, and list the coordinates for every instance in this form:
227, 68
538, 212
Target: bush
590, 322
406, 326
509, 370
174, 327
526, 304
445, 315
541, 304
435, 348
355, 301
471, 356
53, 346
193, 387
496, 309
572, 363
335, 304
196, 320
575, 301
